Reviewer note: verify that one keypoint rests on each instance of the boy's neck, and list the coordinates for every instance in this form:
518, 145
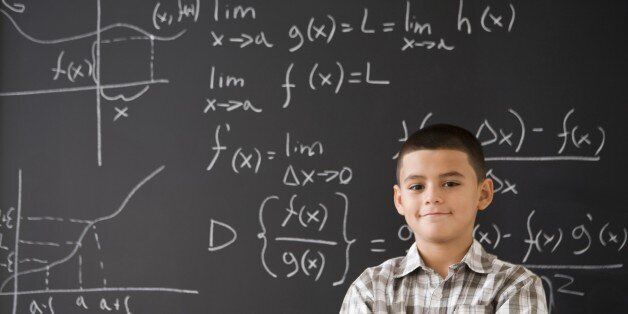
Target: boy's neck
439, 256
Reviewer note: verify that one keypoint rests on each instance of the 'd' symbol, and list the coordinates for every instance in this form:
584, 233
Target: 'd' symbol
217, 225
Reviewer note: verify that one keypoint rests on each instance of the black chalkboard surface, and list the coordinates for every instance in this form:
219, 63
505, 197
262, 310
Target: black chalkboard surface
239, 156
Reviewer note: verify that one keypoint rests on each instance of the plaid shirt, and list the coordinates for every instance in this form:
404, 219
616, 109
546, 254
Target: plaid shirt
480, 283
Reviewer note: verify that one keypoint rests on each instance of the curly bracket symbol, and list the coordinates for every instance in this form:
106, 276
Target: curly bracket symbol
262, 235
347, 241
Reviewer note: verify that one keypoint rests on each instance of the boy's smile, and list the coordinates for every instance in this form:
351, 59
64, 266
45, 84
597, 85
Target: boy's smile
439, 194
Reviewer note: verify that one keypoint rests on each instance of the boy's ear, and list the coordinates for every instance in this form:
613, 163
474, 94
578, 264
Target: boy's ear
397, 199
486, 194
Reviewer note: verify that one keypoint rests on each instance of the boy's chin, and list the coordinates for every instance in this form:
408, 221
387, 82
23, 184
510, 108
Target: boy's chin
434, 238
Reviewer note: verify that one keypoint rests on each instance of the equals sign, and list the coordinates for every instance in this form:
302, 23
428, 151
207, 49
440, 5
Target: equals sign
346, 27
388, 27
270, 154
355, 74
378, 241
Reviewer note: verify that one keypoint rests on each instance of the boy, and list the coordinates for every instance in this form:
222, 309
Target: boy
441, 184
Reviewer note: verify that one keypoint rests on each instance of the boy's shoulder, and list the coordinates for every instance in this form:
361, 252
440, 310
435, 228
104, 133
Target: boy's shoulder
388, 267
381, 274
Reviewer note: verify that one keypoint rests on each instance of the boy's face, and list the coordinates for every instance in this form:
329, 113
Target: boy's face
439, 195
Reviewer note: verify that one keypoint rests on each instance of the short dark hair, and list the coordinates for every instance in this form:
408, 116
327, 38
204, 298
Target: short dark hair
445, 136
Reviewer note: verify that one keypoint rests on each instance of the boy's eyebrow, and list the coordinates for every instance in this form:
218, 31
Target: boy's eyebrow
442, 175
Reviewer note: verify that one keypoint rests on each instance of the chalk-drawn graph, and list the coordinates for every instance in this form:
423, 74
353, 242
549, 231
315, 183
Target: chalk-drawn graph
14, 218
105, 38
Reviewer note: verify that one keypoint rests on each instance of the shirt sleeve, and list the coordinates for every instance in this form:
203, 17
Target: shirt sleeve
526, 296
358, 298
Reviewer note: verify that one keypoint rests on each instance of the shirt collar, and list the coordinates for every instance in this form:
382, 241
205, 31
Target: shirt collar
476, 258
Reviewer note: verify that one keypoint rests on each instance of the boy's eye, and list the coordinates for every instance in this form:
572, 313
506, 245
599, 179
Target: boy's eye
417, 186
451, 183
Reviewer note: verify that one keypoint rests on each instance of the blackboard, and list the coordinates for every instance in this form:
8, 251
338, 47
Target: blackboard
239, 156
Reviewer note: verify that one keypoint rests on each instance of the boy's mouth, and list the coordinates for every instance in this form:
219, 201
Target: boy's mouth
428, 214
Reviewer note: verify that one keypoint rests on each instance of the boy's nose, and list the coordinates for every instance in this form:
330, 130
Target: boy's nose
432, 196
